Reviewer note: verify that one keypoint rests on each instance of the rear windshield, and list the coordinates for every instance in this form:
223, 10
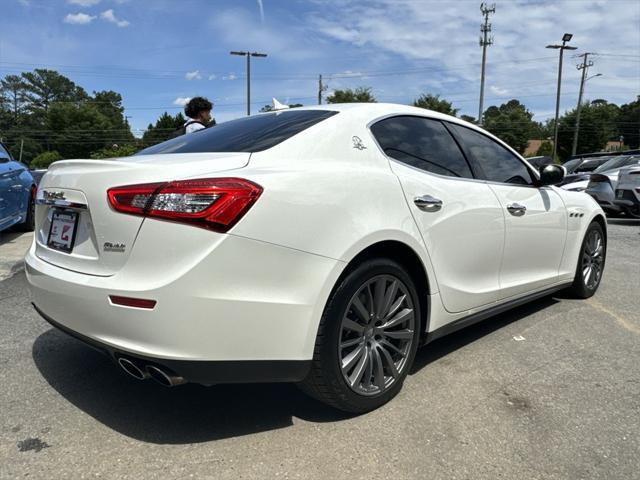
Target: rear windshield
249, 134
616, 162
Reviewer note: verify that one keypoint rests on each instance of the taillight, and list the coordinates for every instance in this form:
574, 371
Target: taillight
214, 203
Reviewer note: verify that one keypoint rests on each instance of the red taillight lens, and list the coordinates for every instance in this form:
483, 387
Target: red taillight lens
214, 203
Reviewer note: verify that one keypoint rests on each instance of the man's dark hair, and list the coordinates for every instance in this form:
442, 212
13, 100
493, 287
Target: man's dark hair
197, 105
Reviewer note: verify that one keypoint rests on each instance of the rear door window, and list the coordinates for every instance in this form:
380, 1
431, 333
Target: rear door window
423, 143
496, 163
249, 134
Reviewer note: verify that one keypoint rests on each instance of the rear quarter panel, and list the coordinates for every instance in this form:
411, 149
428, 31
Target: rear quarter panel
324, 196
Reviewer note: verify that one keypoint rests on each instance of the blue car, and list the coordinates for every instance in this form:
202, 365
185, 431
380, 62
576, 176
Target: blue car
17, 193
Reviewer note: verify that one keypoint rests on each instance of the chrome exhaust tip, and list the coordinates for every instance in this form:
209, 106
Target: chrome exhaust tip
132, 369
166, 378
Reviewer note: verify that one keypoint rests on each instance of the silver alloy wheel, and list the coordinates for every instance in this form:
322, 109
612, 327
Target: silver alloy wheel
592, 259
376, 335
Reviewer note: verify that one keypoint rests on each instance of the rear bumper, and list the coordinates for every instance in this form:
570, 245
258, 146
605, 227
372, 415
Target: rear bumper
204, 372
246, 312
629, 199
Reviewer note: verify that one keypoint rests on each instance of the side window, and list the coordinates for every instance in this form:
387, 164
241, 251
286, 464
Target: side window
495, 162
422, 143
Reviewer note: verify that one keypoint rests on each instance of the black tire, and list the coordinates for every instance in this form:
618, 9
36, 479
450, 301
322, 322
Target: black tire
29, 223
580, 287
326, 381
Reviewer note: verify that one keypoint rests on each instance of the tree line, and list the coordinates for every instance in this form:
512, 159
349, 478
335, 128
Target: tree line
45, 116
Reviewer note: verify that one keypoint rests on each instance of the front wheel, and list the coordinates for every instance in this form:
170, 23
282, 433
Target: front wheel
590, 262
367, 338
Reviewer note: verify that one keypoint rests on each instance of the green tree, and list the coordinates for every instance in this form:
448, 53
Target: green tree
511, 122
77, 130
598, 124
545, 149
164, 128
629, 123
12, 97
468, 118
45, 159
435, 103
115, 151
360, 94
43, 87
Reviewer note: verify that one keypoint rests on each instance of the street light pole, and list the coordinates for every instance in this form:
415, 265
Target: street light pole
249, 55
565, 38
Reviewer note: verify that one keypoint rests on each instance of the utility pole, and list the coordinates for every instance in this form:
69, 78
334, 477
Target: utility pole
485, 41
249, 55
584, 66
21, 148
565, 38
320, 89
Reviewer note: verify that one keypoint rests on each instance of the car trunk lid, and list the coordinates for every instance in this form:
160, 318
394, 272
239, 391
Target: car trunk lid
75, 191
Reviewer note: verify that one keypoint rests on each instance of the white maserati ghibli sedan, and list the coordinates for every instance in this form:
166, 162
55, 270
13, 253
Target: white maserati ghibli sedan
318, 245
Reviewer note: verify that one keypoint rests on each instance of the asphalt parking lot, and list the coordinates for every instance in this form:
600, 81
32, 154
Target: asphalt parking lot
549, 390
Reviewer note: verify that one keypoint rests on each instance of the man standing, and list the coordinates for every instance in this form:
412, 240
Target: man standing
199, 112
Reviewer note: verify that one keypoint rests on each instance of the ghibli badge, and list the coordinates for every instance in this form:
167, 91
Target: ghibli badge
114, 247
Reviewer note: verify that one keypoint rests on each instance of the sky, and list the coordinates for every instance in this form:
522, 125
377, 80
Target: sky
158, 53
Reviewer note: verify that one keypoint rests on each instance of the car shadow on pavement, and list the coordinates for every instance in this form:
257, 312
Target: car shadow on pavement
9, 236
452, 342
149, 412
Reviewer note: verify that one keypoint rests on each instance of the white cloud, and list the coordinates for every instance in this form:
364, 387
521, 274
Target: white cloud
181, 101
231, 76
261, 8
435, 43
498, 90
109, 16
212, 77
79, 18
25, 3
84, 3
195, 75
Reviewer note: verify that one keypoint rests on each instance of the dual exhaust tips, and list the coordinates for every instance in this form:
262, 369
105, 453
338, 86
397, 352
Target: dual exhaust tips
159, 374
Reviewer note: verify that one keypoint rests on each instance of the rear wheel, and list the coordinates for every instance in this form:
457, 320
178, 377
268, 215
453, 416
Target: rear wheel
29, 222
590, 262
367, 338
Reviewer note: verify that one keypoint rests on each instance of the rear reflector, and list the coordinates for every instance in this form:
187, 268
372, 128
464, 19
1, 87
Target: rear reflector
213, 203
132, 302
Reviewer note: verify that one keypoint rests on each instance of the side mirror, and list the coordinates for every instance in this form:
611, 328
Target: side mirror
551, 175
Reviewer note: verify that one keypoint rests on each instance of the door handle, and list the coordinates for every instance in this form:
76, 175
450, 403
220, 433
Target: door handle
428, 203
516, 209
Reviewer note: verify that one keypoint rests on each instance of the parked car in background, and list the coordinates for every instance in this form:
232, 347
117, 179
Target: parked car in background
37, 174
604, 180
540, 161
628, 191
319, 245
571, 165
17, 193
578, 179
